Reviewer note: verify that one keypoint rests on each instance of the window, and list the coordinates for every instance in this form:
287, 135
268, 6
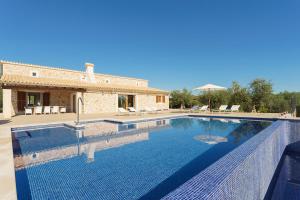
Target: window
160, 99
163, 99
107, 81
34, 74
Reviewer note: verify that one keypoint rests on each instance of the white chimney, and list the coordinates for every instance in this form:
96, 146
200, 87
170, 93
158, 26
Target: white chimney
89, 70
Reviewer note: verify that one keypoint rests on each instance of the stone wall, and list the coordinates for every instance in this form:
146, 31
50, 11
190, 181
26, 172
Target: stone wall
25, 70
60, 73
102, 78
100, 102
144, 101
61, 98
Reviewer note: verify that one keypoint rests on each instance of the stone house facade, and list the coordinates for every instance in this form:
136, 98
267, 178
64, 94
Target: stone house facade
26, 85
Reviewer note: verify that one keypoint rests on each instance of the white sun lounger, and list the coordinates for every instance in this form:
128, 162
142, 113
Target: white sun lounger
234, 108
132, 109
149, 110
122, 111
222, 108
204, 108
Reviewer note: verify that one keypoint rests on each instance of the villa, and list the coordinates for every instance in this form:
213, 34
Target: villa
27, 85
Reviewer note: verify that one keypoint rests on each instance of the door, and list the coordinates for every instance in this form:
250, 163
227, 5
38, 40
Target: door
130, 101
46, 99
21, 99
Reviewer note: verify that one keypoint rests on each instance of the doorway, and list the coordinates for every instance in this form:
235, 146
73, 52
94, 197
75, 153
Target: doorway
126, 101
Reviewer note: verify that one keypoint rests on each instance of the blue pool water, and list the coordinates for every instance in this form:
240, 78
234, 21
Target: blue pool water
144, 160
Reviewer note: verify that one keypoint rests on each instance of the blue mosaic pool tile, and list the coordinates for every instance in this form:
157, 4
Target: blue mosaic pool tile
244, 173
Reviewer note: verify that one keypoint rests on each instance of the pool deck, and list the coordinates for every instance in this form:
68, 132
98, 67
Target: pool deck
7, 172
26, 120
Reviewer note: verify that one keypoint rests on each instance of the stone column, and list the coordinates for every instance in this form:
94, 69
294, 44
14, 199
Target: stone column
7, 104
137, 102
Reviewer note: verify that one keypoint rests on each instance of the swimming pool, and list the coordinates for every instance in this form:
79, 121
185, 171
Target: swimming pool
143, 160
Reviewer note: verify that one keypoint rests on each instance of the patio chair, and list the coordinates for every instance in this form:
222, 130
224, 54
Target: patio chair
38, 110
63, 110
222, 108
55, 110
47, 110
234, 108
28, 111
204, 108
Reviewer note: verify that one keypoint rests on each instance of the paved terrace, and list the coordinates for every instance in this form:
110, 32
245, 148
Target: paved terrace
71, 117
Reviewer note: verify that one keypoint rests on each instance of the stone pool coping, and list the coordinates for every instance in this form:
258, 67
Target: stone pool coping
7, 170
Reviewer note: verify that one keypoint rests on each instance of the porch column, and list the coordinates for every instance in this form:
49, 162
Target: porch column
137, 102
7, 104
79, 95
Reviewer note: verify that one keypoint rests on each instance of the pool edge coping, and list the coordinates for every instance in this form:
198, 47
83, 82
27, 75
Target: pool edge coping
8, 189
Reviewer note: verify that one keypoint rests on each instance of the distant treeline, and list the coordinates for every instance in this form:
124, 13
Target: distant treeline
258, 95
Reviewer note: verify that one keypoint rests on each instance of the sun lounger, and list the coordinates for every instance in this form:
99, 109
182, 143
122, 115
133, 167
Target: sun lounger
122, 111
132, 109
222, 108
194, 108
204, 108
149, 110
155, 110
234, 108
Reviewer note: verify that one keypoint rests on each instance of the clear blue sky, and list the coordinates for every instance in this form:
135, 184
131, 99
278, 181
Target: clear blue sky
173, 44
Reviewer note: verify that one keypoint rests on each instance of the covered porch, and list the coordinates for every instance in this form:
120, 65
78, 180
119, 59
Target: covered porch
23, 92
39, 101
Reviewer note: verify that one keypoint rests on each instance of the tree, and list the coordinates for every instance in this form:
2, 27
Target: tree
240, 96
181, 99
261, 91
217, 98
